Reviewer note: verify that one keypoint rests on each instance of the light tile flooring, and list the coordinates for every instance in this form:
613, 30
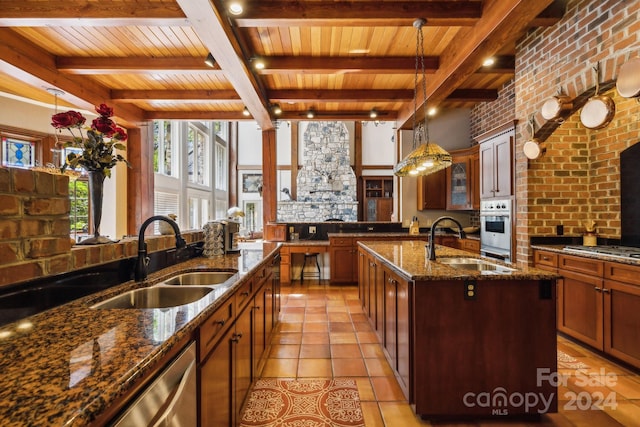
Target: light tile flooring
324, 333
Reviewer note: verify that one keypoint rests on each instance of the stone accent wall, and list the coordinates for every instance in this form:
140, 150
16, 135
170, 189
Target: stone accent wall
326, 183
34, 230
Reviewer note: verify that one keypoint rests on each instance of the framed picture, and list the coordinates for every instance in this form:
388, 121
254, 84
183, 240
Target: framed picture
251, 182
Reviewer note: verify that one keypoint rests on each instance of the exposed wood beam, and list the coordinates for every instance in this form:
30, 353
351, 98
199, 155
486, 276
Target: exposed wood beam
23, 60
382, 95
473, 95
133, 65
299, 13
504, 64
338, 115
351, 64
196, 115
215, 33
502, 20
174, 95
31, 13
551, 15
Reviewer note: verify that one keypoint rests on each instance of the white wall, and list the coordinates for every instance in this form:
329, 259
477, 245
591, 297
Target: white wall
378, 146
450, 130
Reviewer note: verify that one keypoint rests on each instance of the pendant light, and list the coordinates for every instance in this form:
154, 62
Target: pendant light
426, 157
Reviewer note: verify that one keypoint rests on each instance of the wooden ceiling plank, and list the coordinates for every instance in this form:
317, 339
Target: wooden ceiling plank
216, 34
502, 20
31, 64
132, 65
174, 95
298, 95
350, 64
286, 13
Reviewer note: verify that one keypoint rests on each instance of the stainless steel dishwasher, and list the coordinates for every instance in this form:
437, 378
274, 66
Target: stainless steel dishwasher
170, 400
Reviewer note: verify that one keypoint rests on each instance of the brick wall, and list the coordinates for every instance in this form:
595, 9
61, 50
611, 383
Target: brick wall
578, 177
34, 230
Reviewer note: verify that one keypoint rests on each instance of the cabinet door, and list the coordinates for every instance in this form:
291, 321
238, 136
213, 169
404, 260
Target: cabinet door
242, 359
378, 283
474, 178
372, 210
343, 260
580, 308
432, 191
503, 165
384, 209
458, 184
216, 385
486, 170
403, 334
621, 320
363, 279
390, 316
258, 332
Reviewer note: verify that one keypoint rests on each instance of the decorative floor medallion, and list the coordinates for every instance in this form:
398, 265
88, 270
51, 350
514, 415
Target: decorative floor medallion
303, 403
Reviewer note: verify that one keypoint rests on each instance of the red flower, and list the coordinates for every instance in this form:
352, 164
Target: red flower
104, 125
104, 110
120, 134
68, 119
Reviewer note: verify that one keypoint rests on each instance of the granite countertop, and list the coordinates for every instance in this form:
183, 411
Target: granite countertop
398, 234
67, 365
560, 249
408, 258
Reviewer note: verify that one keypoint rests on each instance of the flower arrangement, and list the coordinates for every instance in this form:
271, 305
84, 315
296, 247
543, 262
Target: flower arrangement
98, 143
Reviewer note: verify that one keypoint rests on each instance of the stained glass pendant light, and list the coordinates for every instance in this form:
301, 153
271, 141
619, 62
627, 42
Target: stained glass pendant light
426, 157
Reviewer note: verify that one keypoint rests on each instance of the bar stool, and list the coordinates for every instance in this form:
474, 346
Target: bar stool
313, 256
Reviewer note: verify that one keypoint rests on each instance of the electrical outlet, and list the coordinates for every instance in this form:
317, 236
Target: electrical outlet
312, 229
291, 229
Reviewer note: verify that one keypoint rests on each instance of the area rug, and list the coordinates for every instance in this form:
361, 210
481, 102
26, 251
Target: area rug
568, 362
308, 403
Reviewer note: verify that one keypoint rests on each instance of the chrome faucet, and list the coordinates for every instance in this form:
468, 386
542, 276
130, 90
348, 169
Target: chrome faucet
142, 262
431, 246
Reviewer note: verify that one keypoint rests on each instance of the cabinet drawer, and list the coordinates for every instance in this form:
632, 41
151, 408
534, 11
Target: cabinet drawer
285, 259
470, 245
341, 241
243, 295
581, 265
545, 258
622, 272
213, 328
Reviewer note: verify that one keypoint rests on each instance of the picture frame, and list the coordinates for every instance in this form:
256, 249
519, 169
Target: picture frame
251, 182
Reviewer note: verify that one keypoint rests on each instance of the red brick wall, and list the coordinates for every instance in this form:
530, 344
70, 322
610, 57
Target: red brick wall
578, 177
34, 230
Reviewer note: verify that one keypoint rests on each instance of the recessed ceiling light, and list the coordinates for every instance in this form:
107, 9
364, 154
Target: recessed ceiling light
432, 111
276, 109
373, 113
245, 112
235, 8
258, 63
489, 62
210, 60
311, 114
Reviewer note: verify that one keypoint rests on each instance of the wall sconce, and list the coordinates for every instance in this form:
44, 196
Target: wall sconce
235, 8
245, 112
310, 113
210, 60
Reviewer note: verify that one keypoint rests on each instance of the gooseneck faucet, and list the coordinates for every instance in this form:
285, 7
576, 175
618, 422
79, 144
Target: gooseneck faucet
142, 262
431, 246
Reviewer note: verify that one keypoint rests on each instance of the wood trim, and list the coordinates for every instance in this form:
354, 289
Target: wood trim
507, 127
295, 167
269, 176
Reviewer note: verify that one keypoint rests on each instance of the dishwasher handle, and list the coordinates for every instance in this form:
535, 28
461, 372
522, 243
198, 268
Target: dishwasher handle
181, 396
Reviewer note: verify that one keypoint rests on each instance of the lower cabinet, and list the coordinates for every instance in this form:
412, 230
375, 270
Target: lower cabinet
396, 326
344, 264
598, 302
232, 348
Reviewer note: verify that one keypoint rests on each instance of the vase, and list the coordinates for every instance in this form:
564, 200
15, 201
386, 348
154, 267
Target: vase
96, 193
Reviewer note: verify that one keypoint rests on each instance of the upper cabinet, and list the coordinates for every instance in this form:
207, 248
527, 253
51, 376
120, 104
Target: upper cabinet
432, 191
463, 180
378, 198
496, 162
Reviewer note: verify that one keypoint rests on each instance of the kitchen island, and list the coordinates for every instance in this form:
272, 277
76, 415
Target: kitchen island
466, 337
76, 365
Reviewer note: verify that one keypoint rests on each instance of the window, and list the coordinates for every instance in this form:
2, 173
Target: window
79, 213
18, 153
197, 155
221, 167
163, 148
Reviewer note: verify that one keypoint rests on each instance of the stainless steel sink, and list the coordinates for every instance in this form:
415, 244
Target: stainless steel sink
201, 278
475, 264
155, 297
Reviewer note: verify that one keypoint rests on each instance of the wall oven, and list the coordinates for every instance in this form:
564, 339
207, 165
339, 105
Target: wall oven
495, 228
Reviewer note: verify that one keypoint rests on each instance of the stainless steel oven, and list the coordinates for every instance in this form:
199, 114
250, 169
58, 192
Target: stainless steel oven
495, 228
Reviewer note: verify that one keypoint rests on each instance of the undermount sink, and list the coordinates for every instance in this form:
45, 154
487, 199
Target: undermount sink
475, 264
201, 278
154, 297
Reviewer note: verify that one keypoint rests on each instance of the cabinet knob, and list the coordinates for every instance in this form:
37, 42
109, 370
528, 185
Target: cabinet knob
236, 337
257, 307
244, 294
608, 291
598, 289
221, 322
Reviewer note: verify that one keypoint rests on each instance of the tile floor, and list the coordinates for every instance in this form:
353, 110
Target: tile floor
324, 333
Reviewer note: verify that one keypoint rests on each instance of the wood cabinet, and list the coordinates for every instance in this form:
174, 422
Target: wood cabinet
378, 198
463, 180
598, 302
216, 384
396, 326
496, 162
471, 245
285, 265
432, 191
344, 261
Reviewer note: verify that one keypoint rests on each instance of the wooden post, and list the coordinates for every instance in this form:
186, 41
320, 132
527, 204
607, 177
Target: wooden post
269, 177
140, 177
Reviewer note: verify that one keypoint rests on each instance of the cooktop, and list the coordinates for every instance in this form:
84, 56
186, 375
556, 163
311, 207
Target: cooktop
619, 251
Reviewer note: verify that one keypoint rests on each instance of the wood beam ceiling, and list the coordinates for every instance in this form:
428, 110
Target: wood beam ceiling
133, 65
